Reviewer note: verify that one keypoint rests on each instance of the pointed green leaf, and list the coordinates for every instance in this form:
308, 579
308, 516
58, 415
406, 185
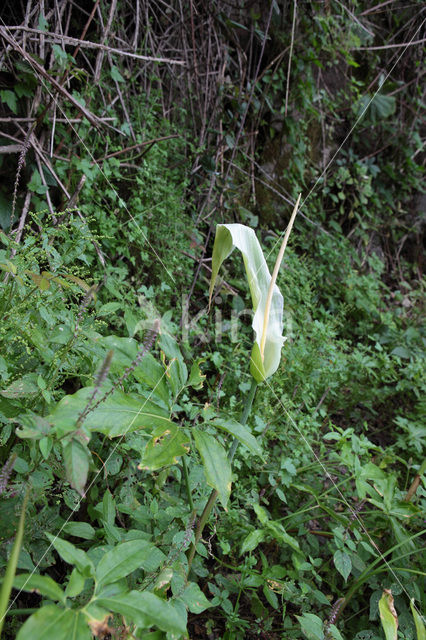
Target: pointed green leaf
72, 555
146, 610
44, 585
194, 598
252, 540
418, 621
217, 467
227, 237
53, 622
241, 432
164, 448
388, 616
120, 414
76, 459
127, 557
343, 563
80, 530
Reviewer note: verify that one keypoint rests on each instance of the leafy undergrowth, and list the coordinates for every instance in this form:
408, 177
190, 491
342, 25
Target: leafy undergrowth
121, 393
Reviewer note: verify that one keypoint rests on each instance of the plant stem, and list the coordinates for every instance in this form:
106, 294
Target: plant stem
213, 496
188, 489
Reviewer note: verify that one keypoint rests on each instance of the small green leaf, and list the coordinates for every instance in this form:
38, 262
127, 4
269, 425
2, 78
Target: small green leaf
108, 508
343, 563
75, 584
40, 584
53, 622
388, 615
312, 626
164, 448
80, 530
127, 557
116, 75
217, 467
145, 610
77, 459
252, 540
9, 97
72, 555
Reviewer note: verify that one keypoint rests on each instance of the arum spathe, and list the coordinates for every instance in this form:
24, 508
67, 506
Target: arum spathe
267, 300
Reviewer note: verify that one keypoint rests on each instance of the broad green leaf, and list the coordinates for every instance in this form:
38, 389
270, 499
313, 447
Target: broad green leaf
241, 432
76, 459
22, 387
388, 615
343, 563
80, 530
312, 626
145, 610
227, 237
217, 467
149, 371
53, 622
194, 598
120, 414
418, 621
44, 585
72, 555
127, 557
252, 540
164, 448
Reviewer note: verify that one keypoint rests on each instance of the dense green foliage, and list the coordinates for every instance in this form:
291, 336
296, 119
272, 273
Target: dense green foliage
121, 393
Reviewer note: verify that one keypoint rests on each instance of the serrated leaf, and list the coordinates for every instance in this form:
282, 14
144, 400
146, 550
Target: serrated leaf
53, 622
217, 467
146, 610
388, 615
76, 459
241, 432
164, 448
44, 585
343, 563
127, 557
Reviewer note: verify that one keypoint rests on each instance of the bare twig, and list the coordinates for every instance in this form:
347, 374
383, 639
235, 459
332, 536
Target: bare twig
287, 89
95, 45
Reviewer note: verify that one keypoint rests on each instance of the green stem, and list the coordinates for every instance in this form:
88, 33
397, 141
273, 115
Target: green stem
213, 496
12, 564
188, 489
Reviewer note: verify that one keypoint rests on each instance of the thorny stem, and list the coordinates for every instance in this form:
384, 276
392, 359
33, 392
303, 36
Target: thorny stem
213, 496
